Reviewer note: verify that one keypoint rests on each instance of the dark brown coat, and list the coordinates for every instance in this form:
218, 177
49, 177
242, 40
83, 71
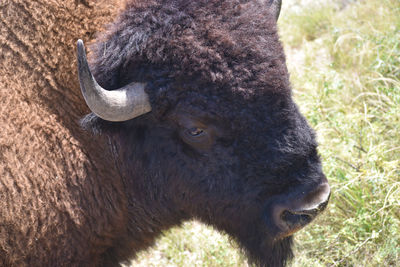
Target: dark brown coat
48, 181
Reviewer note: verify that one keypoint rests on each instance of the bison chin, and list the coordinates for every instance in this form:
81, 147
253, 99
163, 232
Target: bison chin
262, 250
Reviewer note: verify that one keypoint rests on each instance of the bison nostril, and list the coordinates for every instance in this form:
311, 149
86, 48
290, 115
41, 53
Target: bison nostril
296, 219
286, 215
323, 205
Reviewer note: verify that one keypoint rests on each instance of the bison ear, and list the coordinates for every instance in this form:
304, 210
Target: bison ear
275, 6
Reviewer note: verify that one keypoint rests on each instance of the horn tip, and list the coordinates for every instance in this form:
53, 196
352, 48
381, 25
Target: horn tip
81, 50
80, 45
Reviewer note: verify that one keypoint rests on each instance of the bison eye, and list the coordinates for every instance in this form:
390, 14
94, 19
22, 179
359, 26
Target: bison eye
195, 132
199, 138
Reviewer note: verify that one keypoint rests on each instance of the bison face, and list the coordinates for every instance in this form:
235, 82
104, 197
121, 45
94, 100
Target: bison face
252, 171
220, 138
248, 167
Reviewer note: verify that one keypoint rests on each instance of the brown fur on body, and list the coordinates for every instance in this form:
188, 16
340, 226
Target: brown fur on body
58, 205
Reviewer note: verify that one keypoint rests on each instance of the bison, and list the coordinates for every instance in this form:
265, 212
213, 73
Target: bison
192, 117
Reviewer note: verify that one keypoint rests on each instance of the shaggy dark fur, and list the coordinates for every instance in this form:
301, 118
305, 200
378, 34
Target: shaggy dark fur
218, 64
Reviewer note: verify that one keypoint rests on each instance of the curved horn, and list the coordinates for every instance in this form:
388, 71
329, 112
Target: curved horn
122, 104
276, 7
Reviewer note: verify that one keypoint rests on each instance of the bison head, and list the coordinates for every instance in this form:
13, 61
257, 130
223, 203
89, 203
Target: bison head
201, 122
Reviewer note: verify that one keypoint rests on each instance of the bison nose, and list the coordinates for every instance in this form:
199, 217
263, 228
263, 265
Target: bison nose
290, 214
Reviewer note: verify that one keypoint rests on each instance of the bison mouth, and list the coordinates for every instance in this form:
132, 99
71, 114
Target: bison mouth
269, 242
296, 220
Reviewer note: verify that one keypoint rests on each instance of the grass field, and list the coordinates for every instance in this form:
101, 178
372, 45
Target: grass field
344, 60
